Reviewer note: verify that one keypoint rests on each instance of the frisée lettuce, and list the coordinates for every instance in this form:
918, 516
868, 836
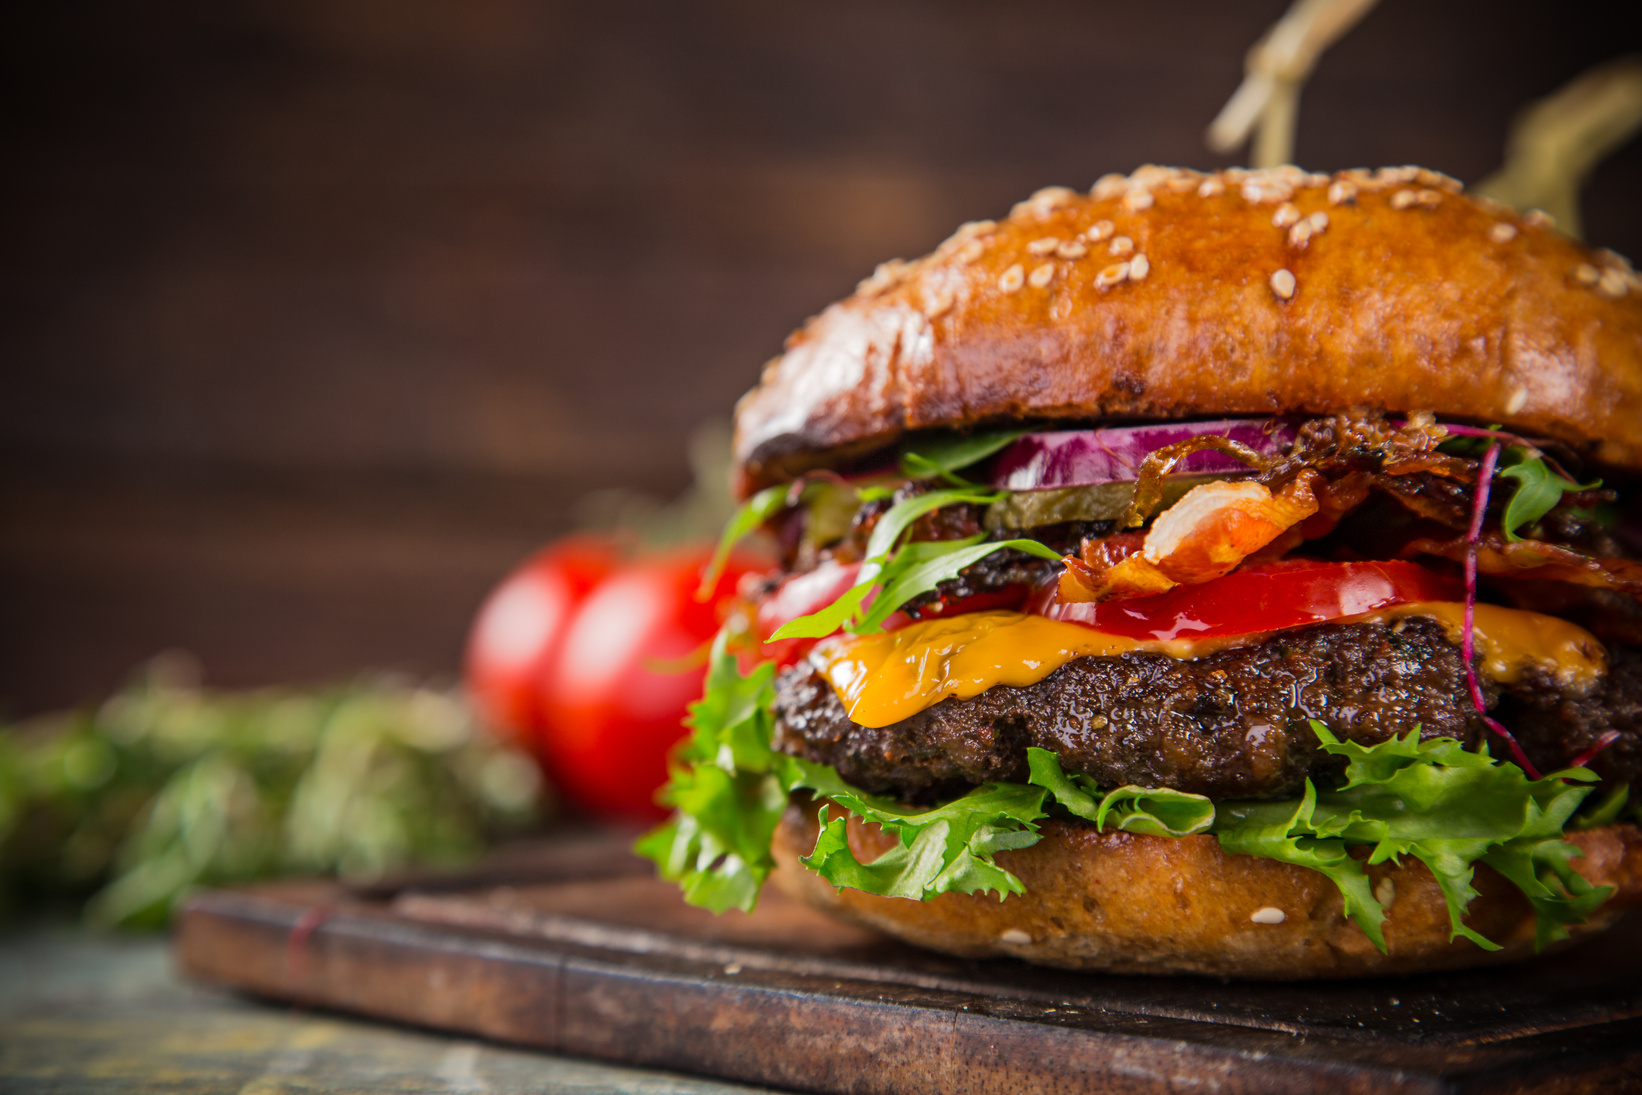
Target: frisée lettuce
1432, 800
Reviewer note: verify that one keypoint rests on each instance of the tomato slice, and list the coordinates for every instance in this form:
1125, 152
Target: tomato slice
1267, 597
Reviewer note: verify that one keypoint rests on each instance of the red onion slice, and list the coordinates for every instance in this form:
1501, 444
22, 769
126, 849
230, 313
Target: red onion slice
1086, 458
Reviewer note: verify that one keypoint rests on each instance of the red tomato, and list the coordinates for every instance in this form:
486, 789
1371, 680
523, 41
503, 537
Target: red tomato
612, 703
1287, 593
520, 626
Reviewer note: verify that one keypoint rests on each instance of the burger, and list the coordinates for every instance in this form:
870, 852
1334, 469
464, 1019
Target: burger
1221, 573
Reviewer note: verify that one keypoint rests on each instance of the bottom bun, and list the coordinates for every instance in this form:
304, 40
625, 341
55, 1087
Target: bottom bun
1126, 903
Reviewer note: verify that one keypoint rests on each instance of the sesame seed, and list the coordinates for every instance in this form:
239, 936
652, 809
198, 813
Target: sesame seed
1613, 258
1286, 214
1043, 246
1386, 892
1098, 231
1427, 177
1015, 936
1502, 232
1300, 234
1122, 245
966, 232
1403, 199
1538, 218
1044, 202
1012, 278
1613, 284
1136, 200
1586, 274
1072, 249
1283, 284
1319, 221
1041, 276
1259, 191
1112, 275
1518, 400
1150, 176
1343, 192
1139, 267
1429, 198
1109, 186
1211, 188
937, 305
1268, 914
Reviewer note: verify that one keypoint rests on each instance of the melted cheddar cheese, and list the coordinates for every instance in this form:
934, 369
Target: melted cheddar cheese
893, 675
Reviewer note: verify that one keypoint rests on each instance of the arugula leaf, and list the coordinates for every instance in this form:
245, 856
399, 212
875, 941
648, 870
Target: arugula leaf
883, 563
747, 517
820, 624
1155, 811
919, 568
899, 517
941, 458
1539, 489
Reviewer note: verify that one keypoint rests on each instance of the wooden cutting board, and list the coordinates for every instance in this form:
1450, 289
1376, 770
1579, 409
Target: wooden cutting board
573, 947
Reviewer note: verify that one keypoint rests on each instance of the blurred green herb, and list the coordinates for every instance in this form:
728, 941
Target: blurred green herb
167, 786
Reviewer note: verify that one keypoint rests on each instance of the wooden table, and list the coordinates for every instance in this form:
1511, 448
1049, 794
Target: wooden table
88, 1013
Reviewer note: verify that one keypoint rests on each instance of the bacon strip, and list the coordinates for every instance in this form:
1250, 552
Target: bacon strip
1540, 561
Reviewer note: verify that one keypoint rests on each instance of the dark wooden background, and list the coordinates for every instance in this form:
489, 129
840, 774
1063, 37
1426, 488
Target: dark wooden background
318, 315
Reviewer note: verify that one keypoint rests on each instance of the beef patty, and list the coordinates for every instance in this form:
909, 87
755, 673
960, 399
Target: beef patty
1228, 725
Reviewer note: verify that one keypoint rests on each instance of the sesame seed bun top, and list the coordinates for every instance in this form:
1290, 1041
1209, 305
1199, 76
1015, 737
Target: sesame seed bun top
1171, 293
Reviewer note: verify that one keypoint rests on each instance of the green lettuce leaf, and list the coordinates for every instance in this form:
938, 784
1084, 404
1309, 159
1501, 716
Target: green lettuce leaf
948, 847
1281, 831
727, 788
1444, 806
1155, 811
1432, 800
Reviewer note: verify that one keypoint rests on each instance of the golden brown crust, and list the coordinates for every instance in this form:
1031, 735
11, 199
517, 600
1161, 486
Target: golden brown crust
1127, 903
1410, 297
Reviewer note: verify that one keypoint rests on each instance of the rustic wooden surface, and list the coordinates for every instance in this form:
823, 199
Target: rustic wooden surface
576, 949
317, 316
101, 1015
